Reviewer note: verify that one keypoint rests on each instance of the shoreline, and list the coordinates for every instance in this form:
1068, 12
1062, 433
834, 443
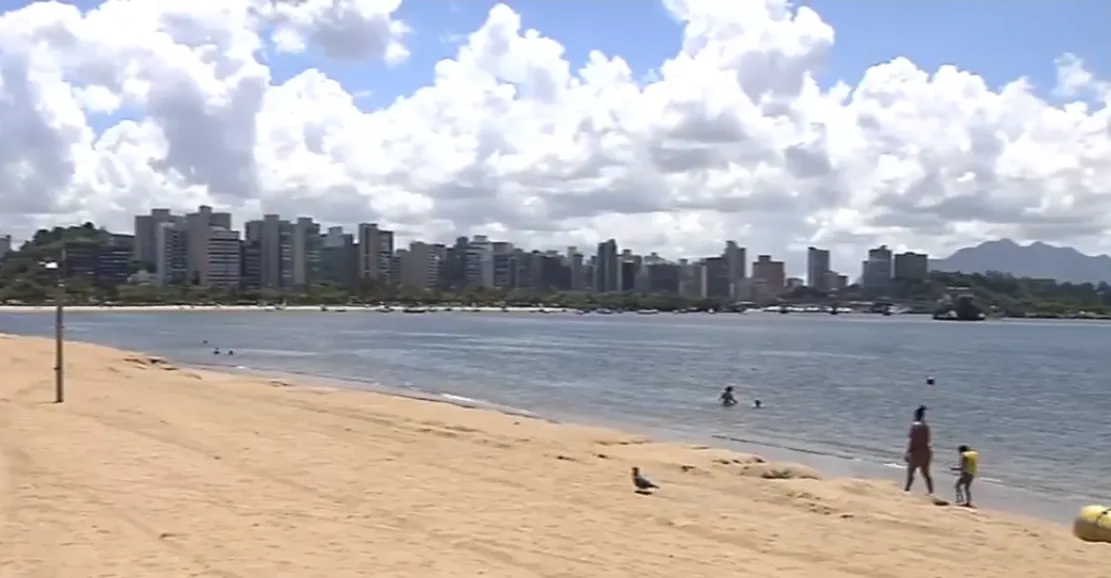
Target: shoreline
272, 309
163, 470
993, 495
397, 308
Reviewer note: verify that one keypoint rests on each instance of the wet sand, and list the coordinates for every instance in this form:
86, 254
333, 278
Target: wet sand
149, 470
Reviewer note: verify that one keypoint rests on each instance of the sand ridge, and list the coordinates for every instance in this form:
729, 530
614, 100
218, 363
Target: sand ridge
151, 470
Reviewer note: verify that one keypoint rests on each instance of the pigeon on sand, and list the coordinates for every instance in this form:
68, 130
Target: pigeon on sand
642, 483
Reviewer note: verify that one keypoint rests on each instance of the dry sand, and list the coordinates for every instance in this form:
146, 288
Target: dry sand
153, 471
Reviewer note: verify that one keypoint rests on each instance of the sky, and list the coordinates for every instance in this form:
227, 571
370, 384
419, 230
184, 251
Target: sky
671, 126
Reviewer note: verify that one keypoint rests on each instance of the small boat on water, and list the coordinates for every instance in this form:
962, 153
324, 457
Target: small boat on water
415, 310
647, 312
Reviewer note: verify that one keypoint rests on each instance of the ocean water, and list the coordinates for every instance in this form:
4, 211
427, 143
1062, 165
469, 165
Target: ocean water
1033, 397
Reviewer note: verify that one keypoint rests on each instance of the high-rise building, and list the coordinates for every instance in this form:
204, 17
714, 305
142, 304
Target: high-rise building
197, 226
503, 264
339, 259
546, 271
716, 282
145, 249
607, 271
735, 259
275, 251
393, 274
771, 274
690, 279
223, 255
336, 237
628, 267
285, 255
368, 251
419, 266
479, 262
876, 270
250, 265
663, 277
101, 264
306, 252
578, 269
171, 248
375, 252
507, 269
817, 268
113, 260
911, 266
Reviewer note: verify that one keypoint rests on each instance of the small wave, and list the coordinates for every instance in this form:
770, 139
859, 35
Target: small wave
899, 466
276, 352
788, 447
811, 354
454, 397
483, 404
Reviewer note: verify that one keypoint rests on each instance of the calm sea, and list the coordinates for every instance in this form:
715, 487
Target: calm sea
1034, 397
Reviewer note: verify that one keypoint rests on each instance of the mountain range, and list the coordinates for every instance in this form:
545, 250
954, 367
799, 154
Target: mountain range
1038, 260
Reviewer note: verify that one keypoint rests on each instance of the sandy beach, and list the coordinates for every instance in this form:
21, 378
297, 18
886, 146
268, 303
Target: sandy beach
151, 470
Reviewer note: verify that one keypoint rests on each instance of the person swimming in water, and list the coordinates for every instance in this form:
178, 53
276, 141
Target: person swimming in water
757, 405
919, 452
727, 398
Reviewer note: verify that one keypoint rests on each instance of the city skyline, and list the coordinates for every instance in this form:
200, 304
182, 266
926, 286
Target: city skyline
669, 125
273, 252
796, 260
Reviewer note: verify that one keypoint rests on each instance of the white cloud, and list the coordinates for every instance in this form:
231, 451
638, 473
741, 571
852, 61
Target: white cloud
731, 138
347, 30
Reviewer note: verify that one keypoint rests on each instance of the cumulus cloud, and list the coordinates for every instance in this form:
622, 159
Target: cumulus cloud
733, 137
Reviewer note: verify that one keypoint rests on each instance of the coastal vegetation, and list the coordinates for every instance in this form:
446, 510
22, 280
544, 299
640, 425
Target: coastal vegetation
1003, 295
25, 279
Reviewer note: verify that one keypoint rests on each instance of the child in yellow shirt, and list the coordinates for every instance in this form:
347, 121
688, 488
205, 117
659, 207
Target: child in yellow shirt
969, 466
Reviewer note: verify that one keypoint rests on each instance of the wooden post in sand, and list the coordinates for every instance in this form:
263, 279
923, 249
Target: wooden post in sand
59, 342
59, 331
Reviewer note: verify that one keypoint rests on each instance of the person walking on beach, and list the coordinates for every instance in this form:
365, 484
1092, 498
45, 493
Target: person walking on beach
919, 454
966, 474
